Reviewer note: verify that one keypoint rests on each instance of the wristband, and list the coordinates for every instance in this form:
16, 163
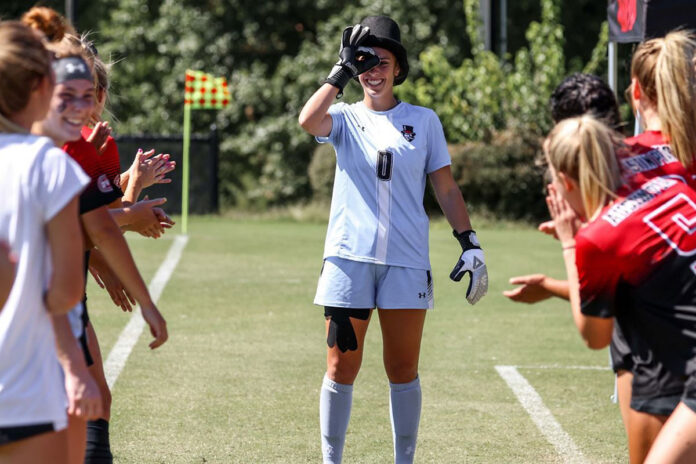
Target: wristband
339, 78
467, 239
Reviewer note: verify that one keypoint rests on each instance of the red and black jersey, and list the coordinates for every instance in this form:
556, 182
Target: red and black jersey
101, 190
109, 161
649, 155
637, 262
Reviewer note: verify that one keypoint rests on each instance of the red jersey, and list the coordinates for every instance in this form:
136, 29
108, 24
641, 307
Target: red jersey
109, 160
637, 262
100, 191
649, 156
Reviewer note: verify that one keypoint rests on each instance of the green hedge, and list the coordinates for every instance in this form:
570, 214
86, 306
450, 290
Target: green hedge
502, 177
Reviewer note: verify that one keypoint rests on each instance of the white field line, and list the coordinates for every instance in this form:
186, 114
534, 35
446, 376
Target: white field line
561, 366
129, 336
541, 416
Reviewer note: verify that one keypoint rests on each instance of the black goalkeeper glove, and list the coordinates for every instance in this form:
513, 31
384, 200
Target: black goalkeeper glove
353, 59
471, 261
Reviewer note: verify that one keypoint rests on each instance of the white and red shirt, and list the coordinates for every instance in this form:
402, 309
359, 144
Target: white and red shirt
637, 262
649, 156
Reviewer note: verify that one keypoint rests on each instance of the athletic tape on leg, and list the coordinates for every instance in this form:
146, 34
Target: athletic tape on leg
341, 331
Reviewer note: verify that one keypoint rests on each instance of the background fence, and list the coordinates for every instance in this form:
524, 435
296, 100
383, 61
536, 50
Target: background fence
204, 158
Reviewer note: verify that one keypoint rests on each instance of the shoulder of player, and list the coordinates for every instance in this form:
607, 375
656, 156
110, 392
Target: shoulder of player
32, 147
36, 143
81, 149
587, 236
342, 107
418, 111
645, 141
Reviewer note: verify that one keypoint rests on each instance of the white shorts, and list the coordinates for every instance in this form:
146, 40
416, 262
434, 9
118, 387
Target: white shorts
354, 284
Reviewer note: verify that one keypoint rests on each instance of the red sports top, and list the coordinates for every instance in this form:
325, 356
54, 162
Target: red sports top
109, 160
649, 156
100, 191
637, 262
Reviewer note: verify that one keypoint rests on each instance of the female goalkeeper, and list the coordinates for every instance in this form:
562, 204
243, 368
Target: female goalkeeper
376, 250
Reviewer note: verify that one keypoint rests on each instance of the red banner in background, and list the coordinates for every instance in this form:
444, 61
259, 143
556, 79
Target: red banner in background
638, 20
626, 14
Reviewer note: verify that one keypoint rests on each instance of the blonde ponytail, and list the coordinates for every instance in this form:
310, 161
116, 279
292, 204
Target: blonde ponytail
664, 68
584, 149
675, 83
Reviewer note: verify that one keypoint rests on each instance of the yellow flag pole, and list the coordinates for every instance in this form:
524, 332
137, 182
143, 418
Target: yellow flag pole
185, 173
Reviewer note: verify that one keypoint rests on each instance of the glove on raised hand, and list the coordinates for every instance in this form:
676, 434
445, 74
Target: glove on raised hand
471, 261
353, 59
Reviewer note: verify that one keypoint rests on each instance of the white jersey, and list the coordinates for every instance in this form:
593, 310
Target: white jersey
377, 212
37, 180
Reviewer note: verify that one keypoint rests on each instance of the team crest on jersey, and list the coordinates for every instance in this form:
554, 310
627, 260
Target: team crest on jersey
408, 133
104, 184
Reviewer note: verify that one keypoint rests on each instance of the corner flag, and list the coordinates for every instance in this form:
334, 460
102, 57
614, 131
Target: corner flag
202, 91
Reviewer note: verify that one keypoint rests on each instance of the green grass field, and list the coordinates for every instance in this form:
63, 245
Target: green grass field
238, 381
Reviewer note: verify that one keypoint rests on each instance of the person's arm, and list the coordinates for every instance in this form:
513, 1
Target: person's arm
450, 199
353, 61
595, 331
314, 117
67, 283
107, 237
471, 260
84, 399
106, 279
536, 287
7, 272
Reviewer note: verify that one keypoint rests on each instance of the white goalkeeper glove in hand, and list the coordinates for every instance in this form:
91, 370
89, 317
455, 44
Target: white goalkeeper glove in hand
472, 262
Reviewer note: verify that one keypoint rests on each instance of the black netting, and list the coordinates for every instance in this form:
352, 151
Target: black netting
203, 175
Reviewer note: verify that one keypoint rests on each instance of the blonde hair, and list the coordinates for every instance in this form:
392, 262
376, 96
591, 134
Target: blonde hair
24, 61
49, 21
664, 68
584, 149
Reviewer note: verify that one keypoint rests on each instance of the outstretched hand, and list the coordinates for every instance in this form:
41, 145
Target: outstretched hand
531, 289
548, 228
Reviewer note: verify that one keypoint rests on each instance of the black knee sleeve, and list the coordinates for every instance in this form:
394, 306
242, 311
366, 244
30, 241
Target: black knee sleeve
341, 331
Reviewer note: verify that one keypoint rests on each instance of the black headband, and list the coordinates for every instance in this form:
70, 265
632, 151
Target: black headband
71, 68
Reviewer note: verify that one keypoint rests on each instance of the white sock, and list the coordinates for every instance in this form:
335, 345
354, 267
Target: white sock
335, 403
405, 406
